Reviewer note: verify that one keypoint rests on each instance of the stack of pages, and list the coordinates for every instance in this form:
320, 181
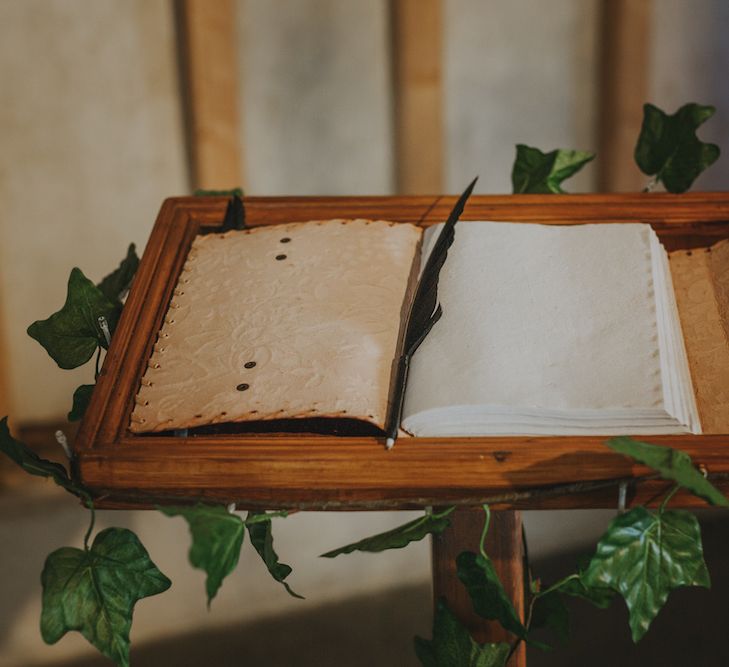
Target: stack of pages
563, 330
546, 330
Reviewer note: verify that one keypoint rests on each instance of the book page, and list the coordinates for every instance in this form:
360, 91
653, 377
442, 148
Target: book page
543, 318
280, 322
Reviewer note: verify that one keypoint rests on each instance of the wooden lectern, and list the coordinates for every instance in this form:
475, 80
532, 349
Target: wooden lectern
325, 472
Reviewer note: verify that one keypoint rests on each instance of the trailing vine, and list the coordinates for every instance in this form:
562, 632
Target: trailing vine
642, 556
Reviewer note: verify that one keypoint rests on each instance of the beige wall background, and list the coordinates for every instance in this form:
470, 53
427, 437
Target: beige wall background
92, 141
316, 97
517, 72
91, 135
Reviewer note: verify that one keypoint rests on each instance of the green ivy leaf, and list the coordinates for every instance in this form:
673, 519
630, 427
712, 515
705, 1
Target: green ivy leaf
486, 592
71, 335
453, 646
535, 172
645, 555
81, 398
262, 540
217, 538
397, 538
550, 612
94, 591
33, 464
117, 283
669, 149
672, 464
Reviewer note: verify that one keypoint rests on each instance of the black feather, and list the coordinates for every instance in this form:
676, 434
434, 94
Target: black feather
235, 215
424, 311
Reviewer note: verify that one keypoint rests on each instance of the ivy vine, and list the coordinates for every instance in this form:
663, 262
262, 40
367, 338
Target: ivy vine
642, 556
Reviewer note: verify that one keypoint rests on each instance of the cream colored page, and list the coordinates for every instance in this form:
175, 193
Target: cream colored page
701, 282
544, 317
297, 320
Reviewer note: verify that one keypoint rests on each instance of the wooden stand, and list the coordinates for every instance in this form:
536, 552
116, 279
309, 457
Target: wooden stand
504, 545
309, 472
331, 472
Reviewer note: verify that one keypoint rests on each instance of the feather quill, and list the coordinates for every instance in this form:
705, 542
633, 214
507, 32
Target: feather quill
235, 215
424, 312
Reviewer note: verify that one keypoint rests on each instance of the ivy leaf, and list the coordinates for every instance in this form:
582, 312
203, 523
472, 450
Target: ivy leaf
486, 592
94, 591
645, 555
33, 464
669, 149
81, 398
217, 538
117, 283
262, 540
453, 646
397, 538
672, 464
71, 335
535, 172
550, 612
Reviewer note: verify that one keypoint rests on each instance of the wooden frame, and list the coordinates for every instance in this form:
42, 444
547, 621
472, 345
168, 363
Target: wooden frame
330, 472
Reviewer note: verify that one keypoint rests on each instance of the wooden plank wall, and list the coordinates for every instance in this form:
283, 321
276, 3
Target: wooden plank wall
5, 379
624, 88
417, 67
211, 81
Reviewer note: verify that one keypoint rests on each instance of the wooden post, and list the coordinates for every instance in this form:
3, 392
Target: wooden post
5, 383
418, 95
505, 548
624, 77
210, 76
5, 399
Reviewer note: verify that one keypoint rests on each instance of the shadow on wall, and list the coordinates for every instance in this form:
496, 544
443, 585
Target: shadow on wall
378, 629
691, 630
361, 632
34, 524
689, 58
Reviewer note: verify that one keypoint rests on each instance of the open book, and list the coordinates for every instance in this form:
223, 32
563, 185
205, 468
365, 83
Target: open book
545, 330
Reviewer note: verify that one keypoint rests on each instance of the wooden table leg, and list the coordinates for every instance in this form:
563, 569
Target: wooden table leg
505, 548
